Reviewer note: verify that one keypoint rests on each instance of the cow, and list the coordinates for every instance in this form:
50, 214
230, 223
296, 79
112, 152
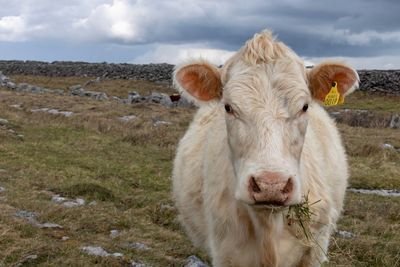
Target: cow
259, 144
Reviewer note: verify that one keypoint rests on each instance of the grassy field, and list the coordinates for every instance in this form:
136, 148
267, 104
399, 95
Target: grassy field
125, 167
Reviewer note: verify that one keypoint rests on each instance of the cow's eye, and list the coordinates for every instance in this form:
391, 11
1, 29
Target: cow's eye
228, 109
305, 107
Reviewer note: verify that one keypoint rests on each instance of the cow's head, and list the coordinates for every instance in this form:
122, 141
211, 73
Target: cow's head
266, 94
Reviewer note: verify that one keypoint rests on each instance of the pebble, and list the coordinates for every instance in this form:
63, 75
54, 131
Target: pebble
345, 234
194, 261
379, 192
95, 251
136, 264
157, 123
3, 121
58, 199
114, 233
99, 251
2, 189
137, 245
48, 225
127, 118
65, 238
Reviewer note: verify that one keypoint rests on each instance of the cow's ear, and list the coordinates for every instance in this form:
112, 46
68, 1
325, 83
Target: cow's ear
199, 80
328, 74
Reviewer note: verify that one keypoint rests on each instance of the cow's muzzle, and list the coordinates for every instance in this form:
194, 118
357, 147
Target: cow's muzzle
271, 188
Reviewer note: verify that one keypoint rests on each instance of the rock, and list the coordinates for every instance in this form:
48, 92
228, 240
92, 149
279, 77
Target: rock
93, 203
2, 189
17, 106
27, 261
65, 238
79, 91
75, 88
137, 245
127, 118
48, 225
379, 192
97, 80
26, 214
80, 201
387, 146
11, 85
40, 110
194, 261
136, 264
134, 97
166, 101
3, 122
114, 233
184, 103
74, 203
95, 251
157, 122
57, 112
99, 251
53, 111
345, 234
58, 199
395, 122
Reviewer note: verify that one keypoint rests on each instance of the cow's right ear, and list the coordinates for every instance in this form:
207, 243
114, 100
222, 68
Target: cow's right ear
199, 80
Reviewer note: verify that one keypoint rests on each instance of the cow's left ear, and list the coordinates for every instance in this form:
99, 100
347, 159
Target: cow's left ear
323, 77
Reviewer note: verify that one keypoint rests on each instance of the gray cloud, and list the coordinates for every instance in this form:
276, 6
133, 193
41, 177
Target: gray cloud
359, 28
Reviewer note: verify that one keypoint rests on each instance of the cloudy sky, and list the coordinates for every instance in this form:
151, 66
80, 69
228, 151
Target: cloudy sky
365, 33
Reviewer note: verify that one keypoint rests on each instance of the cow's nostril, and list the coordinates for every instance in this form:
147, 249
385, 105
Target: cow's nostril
288, 187
254, 186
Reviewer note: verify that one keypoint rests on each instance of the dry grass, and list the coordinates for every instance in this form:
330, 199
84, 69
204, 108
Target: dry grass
126, 167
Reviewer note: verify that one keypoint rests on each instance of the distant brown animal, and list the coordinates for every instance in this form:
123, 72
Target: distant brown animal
260, 142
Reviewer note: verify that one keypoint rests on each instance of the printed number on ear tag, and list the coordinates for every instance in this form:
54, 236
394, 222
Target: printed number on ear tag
333, 97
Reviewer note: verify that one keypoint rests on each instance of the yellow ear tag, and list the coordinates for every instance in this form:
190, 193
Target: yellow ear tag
333, 97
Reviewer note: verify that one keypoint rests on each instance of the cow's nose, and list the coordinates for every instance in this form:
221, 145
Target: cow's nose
271, 188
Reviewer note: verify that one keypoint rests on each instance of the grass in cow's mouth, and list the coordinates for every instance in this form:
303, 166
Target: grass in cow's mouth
301, 214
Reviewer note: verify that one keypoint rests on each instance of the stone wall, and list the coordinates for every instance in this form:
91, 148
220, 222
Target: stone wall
384, 81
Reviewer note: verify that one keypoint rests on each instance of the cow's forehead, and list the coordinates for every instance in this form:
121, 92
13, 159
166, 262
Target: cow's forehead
278, 85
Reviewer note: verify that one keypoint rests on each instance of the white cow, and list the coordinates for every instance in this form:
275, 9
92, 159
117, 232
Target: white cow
260, 140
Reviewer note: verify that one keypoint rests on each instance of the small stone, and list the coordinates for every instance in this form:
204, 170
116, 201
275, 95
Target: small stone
127, 118
157, 123
40, 110
2, 189
3, 121
31, 257
395, 121
194, 261
26, 214
20, 136
65, 238
95, 251
137, 245
58, 199
93, 203
75, 88
17, 106
117, 254
49, 225
114, 233
345, 234
80, 201
136, 264
387, 146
